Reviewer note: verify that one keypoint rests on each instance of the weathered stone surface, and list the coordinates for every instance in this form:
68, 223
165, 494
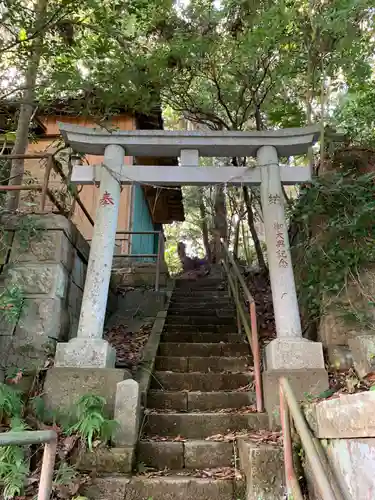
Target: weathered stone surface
339, 357
206, 401
79, 271
305, 383
167, 400
108, 488
36, 279
171, 363
127, 412
349, 416
363, 351
176, 349
161, 454
263, 466
174, 381
83, 352
42, 322
171, 488
50, 246
105, 460
218, 364
206, 454
75, 295
53, 222
200, 425
284, 354
353, 460
64, 386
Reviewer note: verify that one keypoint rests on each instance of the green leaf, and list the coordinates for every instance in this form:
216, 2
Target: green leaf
22, 35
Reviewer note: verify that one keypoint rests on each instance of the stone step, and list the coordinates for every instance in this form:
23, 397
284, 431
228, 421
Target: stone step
202, 312
202, 425
202, 364
202, 401
204, 382
200, 320
204, 337
209, 295
169, 487
193, 454
202, 349
218, 328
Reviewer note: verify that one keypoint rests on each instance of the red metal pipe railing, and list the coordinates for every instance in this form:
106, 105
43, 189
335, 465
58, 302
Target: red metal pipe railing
289, 407
249, 322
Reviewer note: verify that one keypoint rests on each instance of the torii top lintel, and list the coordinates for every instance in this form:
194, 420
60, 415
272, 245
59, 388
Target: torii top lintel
164, 143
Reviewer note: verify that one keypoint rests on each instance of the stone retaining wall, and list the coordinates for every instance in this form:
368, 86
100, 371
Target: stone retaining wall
345, 427
51, 272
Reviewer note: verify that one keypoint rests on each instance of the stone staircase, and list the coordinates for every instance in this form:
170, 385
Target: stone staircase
200, 389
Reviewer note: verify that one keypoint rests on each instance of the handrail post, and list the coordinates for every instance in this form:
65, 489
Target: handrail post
292, 484
158, 263
238, 305
46, 474
256, 357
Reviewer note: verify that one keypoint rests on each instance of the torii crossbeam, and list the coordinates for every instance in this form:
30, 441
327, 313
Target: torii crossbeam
289, 350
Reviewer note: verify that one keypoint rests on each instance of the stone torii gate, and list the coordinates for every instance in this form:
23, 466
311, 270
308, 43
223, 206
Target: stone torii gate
287, 354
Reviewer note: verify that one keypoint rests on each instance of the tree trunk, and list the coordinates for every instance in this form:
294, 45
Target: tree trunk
254, 235
245, 245
204, 226
27, 107
220, 222
236, 239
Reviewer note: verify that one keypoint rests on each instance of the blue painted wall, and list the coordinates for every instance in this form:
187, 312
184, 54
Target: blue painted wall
142, 244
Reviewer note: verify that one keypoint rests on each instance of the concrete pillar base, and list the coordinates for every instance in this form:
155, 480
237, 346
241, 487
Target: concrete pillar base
302, 362
85, 353
294, 354
306, 383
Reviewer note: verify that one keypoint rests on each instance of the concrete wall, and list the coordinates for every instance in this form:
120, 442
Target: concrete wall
51, 272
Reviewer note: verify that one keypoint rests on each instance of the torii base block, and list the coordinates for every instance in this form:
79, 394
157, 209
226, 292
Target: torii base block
302, 362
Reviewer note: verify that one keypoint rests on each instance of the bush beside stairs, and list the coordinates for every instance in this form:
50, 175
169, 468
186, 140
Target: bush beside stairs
198, 407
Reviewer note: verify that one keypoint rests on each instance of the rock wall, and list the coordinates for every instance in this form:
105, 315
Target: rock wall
51, 271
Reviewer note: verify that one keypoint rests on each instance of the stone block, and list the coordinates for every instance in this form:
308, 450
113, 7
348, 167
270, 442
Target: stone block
83, 352
290, 354
127, 412
339, 357
161, 454
64, 386
38, 279
263, 466
207, 454
305, 384
50, 246
206, 401
42, 323
363, 352
105, 460
107, 488
349, 416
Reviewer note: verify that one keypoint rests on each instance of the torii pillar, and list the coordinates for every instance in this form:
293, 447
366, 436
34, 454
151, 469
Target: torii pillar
289, 354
